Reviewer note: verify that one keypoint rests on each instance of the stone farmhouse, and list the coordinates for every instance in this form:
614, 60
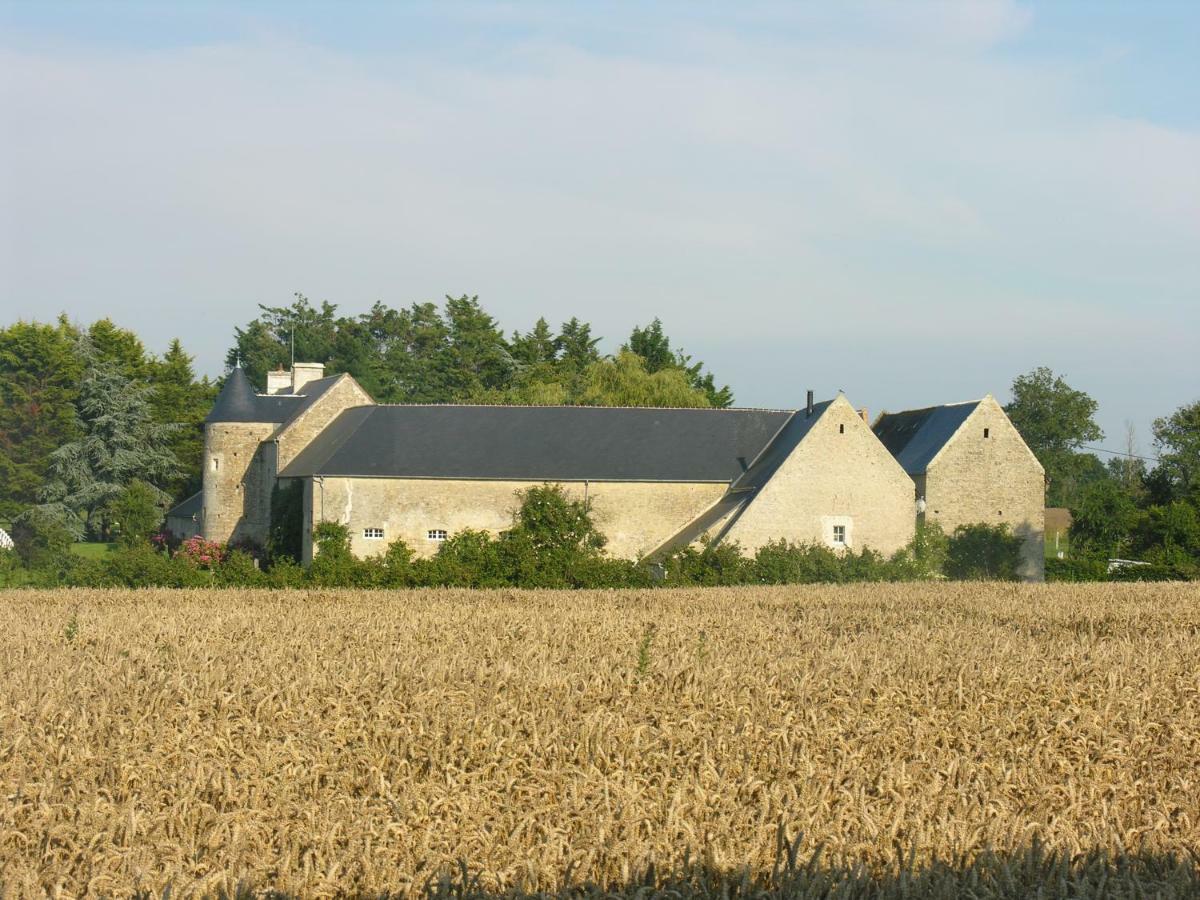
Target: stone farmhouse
656, 479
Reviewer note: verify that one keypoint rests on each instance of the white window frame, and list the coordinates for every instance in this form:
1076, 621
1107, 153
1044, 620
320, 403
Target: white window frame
839, 534
373, 534
829, 523
437, 534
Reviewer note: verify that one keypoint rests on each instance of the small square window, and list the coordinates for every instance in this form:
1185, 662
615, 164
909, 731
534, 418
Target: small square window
839, 534
373, 534
436, 534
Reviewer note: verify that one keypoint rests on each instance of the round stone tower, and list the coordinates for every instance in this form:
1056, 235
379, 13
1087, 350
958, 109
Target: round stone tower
236, 489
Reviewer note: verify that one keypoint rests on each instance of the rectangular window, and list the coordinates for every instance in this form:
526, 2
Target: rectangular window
841, 429
987, 432
215, 463
373, 534
839, 534
437, 534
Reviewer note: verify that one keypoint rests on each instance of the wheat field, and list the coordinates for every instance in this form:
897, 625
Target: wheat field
335, 742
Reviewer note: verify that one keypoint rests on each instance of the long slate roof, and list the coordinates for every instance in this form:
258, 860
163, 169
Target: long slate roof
915, 436
239, 402
536, 443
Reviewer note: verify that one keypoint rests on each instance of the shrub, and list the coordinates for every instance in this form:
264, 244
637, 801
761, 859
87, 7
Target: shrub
42, 539
1076, 569
136, 514
982, 551
201, 554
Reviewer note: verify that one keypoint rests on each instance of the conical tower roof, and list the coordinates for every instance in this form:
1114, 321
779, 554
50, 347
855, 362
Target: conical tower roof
237, 401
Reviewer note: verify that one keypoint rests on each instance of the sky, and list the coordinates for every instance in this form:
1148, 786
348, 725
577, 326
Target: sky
911, 202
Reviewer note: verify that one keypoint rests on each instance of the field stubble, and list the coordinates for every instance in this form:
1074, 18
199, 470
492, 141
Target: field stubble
333, 741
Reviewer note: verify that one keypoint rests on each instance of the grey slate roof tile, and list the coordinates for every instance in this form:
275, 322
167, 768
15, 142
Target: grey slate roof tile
540, 443
915, 436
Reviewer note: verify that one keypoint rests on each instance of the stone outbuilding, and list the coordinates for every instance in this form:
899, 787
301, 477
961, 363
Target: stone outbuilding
969, 464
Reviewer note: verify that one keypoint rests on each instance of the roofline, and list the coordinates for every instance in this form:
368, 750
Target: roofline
522, 480
712, 409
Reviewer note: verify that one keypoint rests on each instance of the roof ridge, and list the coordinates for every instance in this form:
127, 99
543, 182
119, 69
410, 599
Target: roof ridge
713, 409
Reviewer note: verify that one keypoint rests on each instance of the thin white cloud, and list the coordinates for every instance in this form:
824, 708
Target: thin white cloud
871, 175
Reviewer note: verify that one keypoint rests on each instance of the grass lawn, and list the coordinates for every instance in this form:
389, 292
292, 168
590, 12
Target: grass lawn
91, 549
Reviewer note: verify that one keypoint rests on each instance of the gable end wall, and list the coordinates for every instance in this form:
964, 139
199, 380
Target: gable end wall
995, 480
833, 474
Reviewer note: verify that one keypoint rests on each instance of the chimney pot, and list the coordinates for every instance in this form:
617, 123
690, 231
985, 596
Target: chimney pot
808, 408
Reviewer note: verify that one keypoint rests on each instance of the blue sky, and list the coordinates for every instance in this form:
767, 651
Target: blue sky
912, 202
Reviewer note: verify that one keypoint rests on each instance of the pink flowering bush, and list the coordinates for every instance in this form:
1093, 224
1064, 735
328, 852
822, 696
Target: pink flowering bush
201, 553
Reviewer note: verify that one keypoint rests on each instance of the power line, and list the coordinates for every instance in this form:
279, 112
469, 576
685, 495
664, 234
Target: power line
1119, 453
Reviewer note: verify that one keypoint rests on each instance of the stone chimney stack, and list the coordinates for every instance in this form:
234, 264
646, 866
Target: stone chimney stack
862, 414
279, 381
303, 373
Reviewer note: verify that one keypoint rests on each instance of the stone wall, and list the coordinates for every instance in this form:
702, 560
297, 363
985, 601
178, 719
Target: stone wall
299, 433
994, 479
836, 476
237, 485
634, 516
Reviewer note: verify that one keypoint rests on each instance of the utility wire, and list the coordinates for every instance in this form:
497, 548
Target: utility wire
1119, 453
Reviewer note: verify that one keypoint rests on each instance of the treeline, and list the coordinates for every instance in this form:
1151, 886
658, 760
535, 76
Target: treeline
86, 410
553, 543
1122, 509
459, 354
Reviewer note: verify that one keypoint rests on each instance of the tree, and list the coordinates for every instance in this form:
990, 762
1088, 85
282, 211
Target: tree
42, 538
1102, 519
40, 369
1055, 420
266, 343
180, 400
136, 512
654, 347
624, 381
119, 442
478, 358
552, 521
1177, 440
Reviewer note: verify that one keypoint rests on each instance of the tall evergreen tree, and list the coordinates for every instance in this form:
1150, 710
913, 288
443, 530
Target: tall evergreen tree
118, 442
654, 347
39, 382
179, 399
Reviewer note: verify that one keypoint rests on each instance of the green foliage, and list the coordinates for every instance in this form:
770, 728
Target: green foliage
118, 443
713, 563
1177, 440
983, 551
1102, 519
1055, 419
135, 513
333, 564
9, 564
552, 521
178, 399
929, 550
42, 539
1076, 569
39, 381
625, 381
654, 347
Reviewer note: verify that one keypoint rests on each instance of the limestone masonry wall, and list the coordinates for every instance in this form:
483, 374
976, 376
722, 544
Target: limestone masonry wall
237, 489
299, 433
994, 479
834, 477
634, 516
